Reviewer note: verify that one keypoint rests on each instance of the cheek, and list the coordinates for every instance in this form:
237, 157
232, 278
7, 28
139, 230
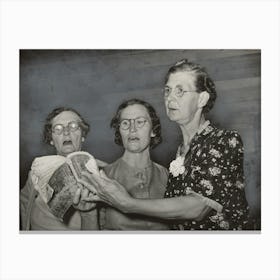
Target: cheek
190, 103
166, 102
56, 140
147, 135
123, 135
77, 137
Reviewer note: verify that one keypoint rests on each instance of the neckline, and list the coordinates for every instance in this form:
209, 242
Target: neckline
200, 129
134, 167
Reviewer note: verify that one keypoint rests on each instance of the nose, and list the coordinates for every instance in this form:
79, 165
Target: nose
66, 130
132, 127
170, 96
169, 99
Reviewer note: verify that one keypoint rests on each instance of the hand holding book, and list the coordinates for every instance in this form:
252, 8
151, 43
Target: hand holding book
67, 183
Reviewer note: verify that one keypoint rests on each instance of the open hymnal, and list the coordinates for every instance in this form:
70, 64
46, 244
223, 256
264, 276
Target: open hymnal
57, 179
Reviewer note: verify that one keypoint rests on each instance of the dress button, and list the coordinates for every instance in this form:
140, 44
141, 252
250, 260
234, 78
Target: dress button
139, 175
141, 186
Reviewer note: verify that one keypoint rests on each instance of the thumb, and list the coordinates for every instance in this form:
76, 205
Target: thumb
76, 198
101, 163
93, 198
103, 174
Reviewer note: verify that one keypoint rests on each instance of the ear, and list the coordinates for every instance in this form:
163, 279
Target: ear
51, 142
83, 139
153, 134
203, 99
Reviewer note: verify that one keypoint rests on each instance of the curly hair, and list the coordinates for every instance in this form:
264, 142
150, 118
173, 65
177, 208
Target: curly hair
47, 133
203, 81
156, 127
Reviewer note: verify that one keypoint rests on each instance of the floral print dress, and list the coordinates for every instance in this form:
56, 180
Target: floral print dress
213, 168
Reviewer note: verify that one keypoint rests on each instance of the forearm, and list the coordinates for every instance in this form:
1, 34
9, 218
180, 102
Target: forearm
180, 208
111, 192
89, 220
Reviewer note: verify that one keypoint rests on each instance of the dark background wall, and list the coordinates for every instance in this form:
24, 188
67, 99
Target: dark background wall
95, 82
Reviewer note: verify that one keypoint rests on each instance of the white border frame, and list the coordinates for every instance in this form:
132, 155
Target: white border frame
156, 24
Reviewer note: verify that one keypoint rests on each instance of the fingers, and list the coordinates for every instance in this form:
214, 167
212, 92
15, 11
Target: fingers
77, 195
101, 163
91, 195
94, 179
89, 186
84, 194
92, 198
103, 174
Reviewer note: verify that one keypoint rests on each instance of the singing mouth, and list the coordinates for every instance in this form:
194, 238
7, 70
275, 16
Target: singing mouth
172, 106
133, 138
67, 142
172, 109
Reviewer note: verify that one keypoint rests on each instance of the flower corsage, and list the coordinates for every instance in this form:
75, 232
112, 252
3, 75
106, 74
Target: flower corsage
177, 167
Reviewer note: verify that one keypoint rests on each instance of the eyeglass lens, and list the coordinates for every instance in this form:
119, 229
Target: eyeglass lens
59, 128
138, 122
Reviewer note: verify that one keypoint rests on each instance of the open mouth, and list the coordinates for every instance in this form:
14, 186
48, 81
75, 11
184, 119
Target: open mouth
170, 109
67, 142
133, 138
172, 106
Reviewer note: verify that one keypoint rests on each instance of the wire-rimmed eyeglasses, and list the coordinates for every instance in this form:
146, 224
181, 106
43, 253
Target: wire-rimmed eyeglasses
179, 91
71, 126
139, 122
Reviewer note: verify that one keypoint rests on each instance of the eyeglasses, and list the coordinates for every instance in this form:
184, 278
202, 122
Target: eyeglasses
179, 92
71, 126
139, 122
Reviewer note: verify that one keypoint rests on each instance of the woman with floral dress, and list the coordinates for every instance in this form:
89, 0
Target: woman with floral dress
205, 189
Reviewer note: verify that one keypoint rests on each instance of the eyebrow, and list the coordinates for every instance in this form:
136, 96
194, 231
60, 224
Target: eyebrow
179, 85
133, 118
77, 121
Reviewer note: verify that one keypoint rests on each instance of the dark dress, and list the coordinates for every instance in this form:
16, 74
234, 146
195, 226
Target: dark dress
213, 167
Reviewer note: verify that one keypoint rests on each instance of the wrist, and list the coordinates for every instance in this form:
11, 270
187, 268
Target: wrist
127, 205
87, 212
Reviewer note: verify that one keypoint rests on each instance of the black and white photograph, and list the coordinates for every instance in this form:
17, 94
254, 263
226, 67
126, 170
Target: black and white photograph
140, 140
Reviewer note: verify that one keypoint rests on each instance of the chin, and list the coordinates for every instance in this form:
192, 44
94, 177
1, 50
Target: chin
134, 149
68, 151
172, 114
173, 118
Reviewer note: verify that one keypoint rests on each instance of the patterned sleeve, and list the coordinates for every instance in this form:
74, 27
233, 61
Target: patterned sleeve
225, 177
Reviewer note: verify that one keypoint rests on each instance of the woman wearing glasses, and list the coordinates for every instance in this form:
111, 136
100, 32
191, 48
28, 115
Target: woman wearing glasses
137, 129
207, 170
65, 130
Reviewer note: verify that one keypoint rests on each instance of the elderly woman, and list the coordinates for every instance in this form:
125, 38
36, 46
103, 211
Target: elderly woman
65, 130
208, 168
137, 130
